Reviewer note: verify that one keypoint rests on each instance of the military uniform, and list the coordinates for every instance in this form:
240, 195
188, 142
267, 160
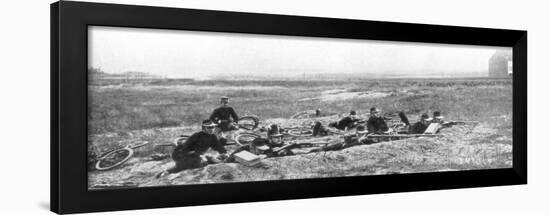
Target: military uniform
188, 154
346, 122
377, 125
418, 128
224, 113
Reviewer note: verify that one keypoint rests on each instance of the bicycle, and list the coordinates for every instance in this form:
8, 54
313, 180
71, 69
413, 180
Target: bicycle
299, 131
248, 122
117, 157
242, 125
243, 138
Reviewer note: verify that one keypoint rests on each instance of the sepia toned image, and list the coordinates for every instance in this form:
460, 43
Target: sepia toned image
172, 107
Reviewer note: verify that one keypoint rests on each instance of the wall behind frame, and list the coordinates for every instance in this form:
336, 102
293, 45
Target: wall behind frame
25, 42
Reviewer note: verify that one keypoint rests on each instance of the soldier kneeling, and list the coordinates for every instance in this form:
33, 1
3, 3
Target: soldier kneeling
191, 153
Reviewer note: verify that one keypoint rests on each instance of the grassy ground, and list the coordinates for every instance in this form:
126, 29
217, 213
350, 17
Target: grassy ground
122, 114
123, 108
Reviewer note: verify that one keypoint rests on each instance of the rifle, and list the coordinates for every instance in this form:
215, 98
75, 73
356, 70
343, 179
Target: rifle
402, 135
292, 145
451, 123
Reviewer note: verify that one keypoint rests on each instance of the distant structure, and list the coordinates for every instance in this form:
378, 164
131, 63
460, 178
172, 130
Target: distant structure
500, 64
97, 76
133, 76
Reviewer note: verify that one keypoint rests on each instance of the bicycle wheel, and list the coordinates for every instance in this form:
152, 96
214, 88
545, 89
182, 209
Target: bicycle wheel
300, 132
245, 138
139, 145
103, 154
248, 122
114, 159
301, 115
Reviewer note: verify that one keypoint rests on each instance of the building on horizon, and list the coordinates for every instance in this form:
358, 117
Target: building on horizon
500, 64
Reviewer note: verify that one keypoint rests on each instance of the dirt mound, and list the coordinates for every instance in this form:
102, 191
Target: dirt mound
459, 147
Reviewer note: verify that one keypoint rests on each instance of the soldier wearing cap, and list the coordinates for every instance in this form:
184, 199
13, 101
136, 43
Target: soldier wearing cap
275, 139
437, 118
190, 154
224, 115
376, 123
422, 125
360, 137
319, 129
347, 122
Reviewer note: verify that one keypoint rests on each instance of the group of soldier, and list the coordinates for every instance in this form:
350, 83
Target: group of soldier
376, 124
191, 153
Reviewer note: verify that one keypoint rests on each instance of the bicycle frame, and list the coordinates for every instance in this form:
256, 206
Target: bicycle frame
128, 148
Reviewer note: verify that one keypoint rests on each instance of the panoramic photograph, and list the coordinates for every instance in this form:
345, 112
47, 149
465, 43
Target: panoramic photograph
173, 107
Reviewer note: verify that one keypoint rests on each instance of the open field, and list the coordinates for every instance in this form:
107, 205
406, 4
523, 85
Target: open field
161, 110
116, 108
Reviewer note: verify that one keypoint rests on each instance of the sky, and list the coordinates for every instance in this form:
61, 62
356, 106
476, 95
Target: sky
203, 55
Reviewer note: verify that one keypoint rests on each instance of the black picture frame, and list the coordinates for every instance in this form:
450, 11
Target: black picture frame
69, 22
